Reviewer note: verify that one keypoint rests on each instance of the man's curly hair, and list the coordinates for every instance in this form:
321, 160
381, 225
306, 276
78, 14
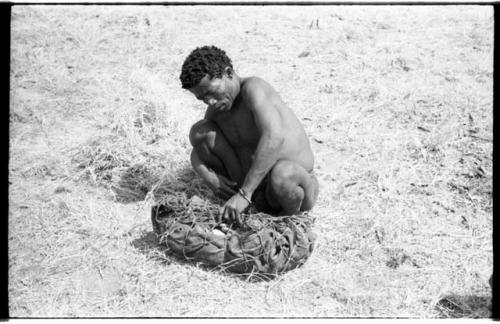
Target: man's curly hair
202, 61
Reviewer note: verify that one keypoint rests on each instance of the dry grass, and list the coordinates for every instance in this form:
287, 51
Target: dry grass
397, 102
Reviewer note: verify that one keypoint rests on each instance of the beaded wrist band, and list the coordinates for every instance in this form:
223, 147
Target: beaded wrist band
243, 194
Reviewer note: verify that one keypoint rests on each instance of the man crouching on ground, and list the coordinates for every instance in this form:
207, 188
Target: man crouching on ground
250, 146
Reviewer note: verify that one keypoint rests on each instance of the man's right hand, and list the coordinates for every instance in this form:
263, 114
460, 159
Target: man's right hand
227, 188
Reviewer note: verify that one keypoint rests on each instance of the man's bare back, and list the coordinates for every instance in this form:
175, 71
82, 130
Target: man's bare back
249, 139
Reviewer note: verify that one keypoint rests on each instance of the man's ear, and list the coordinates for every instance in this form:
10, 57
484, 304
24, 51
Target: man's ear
229, 71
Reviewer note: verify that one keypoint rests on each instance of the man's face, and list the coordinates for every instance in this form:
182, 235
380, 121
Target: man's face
217, 93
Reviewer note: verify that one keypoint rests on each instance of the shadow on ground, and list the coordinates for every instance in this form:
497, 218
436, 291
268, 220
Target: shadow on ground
137, 181
456, 306
148, 244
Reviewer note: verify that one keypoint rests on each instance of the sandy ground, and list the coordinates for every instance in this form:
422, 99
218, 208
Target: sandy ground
397, 102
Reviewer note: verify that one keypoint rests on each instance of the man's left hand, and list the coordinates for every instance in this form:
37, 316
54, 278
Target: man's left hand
231, 210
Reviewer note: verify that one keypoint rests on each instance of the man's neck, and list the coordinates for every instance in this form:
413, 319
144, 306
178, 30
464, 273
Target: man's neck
238, 80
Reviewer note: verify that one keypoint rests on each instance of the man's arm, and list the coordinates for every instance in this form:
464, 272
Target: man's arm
269, 123
263, 104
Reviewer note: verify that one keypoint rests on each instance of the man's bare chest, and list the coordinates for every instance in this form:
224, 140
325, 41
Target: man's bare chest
238, 127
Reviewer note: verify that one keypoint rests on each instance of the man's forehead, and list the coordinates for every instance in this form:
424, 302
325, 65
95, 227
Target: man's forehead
204, 84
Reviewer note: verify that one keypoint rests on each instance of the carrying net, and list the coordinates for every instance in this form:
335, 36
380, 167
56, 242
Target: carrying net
264, 244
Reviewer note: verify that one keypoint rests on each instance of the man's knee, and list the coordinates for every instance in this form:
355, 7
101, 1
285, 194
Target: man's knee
290, 183
203, 131
283, 175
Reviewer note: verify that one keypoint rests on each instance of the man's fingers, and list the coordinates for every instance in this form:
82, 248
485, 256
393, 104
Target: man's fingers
238, 218
234, 216
218, 217
226, 215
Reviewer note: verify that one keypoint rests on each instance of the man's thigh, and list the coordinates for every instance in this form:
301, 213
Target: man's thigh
214, 149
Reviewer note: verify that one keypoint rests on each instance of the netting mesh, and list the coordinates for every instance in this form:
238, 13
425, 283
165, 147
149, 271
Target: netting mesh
264, 244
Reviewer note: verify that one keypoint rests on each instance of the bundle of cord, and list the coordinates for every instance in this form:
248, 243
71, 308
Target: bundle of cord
263, 244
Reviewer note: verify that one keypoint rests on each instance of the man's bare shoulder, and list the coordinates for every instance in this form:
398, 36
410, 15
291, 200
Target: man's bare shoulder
254, 88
